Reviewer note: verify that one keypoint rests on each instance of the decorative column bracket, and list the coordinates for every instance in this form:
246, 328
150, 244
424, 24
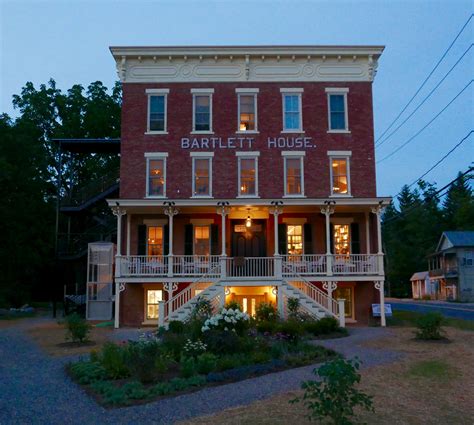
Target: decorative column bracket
327, 210
330, 287
378, 212
119, 213
170, 210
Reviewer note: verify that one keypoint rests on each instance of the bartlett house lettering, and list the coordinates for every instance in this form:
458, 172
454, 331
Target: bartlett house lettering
245, 142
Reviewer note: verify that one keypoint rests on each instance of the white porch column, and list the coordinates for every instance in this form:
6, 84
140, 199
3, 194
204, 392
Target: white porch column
378, 212
119, 287
341, 311
170, 287
170, 210
330, 287
223, 210
380, 286
367, 232
327, 210
276, 210
118, 212
129, 220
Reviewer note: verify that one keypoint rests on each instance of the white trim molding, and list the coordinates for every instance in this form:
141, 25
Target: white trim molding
336, 90
339, 153
156, 154
157, 91
203, 154
246, 90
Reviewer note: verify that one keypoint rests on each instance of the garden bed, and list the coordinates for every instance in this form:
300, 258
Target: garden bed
206, 351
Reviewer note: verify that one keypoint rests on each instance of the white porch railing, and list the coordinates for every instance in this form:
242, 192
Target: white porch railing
243, 267
307, 265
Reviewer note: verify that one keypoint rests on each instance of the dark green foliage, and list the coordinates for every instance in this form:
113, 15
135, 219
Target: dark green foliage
266, 312
335, 396
188, 367
430, 326
114, 360
291, 329
234, 305
266, 326
202, 309
77, 328
293, 304
206, 362
146, 361
324, 326
176, 326
86, 372
173, 344
221, 342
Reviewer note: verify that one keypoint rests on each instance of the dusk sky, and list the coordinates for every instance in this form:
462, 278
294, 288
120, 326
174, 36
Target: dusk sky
68, 41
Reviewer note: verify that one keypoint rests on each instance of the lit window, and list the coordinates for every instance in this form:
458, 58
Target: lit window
247, 176
202, 242
156, 177
202, 112
342, 241
155, 240
202, 176
294, 182
340, 176
337, 109
295, 239
292, 119
153, 297
247, 112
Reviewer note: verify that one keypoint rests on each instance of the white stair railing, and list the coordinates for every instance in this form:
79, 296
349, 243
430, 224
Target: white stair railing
324, 301
189, 293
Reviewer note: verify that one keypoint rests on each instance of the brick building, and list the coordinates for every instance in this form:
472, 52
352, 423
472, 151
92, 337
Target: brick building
247, 174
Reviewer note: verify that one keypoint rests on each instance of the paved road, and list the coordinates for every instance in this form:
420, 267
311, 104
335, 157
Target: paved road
453, 310
35, 390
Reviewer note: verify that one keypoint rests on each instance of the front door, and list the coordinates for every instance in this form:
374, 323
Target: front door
248, 241
249, 303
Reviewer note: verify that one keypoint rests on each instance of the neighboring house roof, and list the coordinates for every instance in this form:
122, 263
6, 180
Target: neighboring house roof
419, 276
453, 239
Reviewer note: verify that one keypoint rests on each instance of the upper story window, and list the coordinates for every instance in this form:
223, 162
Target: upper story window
156, 174
341, 237
337, 110
340, 172
157, 108
202, 110
155, 240
292, 115
293, 173
248, 174
202, 173
247, 110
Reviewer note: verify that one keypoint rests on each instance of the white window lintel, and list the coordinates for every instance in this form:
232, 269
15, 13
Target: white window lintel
250, 154
157, 91
156, 155
293, 153
291, 90
244, 90
337, 90
202, 91
339, 153
202, 154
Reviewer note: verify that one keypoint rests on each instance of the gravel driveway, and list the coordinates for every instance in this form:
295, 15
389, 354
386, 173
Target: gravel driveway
35, 389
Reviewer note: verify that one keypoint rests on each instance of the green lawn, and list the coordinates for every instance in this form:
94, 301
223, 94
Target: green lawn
409, 318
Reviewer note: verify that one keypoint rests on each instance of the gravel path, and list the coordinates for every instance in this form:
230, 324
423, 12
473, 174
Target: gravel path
35, 389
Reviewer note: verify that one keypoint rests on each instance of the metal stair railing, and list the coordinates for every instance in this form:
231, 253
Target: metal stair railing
185, 296
328, 304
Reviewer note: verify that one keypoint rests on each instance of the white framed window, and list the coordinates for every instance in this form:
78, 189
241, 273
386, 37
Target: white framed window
247, 174
339, 170
202, 240
157, 111
292, 110
342, 239
294, 235
247, 110
293, 173
152, 299
202, 174
156, 174
338, 119
154, 245
202, 110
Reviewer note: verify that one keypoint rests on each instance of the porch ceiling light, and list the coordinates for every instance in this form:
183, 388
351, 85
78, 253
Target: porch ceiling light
248, 222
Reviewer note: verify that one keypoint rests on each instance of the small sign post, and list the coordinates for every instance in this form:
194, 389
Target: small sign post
376, 310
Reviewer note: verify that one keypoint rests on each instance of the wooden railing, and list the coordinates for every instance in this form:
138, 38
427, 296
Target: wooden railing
182, 266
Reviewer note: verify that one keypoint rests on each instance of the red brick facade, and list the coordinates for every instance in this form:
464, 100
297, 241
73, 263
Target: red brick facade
315, 125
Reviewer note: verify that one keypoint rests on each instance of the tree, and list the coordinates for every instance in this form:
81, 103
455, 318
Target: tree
459, 205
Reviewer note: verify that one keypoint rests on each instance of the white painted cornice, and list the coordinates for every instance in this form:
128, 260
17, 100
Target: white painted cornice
246, 63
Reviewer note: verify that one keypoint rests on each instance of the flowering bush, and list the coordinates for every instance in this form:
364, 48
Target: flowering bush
266, 312
228, 319
194, 348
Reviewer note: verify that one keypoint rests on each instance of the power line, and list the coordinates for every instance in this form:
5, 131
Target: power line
427, 78
427, 124
442, 159
426, 98
430, 196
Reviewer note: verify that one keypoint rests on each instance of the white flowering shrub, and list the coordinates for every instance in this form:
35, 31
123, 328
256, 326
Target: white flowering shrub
194, 348
228, 319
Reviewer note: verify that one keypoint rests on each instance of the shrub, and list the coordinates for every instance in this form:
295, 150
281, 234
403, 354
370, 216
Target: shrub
194, 348
77, 328
335, 396
86, 372
266, 326
202, 309
266, 312
430, 326
114, 360
221, 342
231, 361
293, 305
260, 357
187, 367
228, 320
206, 363
135, 390
173, 344
324, 326
291, 329
146, 361
234, 305
176, 326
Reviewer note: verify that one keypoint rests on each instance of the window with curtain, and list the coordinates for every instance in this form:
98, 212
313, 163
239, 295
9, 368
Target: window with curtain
295, 239
248, 181
337, 113
157, 113
202, 240
291, 104
293, 176
247, 108
155, 240
342, 241
153, 297
156, 177
202, 113
202, 176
